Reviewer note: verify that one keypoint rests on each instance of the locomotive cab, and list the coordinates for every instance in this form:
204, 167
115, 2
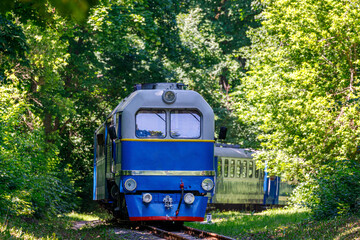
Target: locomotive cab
158, 162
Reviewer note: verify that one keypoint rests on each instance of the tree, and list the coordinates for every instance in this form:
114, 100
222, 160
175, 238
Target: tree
303, 85
39, 9
212, 33
41, 108
70, 73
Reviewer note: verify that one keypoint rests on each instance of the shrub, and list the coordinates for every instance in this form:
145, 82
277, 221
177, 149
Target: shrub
338, 191
30, 181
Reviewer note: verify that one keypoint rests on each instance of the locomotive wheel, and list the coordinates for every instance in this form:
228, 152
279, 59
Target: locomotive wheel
120, 209
114, 191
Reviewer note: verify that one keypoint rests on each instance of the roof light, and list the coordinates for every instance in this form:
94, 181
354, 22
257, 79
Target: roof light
169, 97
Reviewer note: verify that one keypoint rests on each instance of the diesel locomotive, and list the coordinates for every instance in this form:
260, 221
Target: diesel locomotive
154, 155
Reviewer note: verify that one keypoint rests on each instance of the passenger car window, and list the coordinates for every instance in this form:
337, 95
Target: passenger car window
238, 169
232, 168
226, 168
244, 169
150, 124
251, 166
220, 167
185, 124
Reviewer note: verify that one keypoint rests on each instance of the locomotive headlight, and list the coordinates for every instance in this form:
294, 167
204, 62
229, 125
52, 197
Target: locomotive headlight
169, 97
189, 198
130, 184
207, 184
147, 198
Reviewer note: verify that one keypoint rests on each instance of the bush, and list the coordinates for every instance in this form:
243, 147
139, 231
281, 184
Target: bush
29, 166
338, 192
303, 194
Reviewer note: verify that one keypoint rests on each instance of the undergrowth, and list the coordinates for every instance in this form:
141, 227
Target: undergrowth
60, 227
280, 224
270, 224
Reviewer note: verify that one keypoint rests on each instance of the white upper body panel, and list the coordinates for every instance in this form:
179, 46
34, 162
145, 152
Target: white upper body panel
152, 100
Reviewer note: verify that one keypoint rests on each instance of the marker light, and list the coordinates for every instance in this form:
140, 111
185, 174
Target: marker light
130, 184
189, 198
207, 184
169, 97
147, 198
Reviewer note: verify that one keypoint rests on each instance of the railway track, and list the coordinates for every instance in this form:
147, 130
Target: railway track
183, 233
144, 230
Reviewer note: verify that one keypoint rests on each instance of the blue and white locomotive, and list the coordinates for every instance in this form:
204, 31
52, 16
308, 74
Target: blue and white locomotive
154, 155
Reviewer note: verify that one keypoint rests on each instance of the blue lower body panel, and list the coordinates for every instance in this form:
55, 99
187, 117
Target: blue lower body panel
166, 183
184, 156
156, 210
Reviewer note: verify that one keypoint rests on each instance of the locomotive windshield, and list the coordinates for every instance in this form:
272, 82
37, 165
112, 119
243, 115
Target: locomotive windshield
151, 124
185, 124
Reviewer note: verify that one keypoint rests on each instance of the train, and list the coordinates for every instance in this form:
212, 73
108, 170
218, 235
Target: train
155, 159
241, 186
154, 155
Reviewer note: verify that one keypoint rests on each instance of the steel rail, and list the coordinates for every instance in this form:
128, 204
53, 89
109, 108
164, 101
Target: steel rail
182, 233
203, 234
165, 234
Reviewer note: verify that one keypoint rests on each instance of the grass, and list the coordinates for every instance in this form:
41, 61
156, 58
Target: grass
270, 224
87, 217
281, 224
56, 228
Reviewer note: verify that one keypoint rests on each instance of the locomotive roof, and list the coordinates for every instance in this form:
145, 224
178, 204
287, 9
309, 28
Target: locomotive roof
233, 152
150, 98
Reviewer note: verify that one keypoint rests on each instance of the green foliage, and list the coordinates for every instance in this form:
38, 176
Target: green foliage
231, 20
51, 196
71, 75
294, 90
12, 46
213, 66
14, 149
338, 191
38, 9
303, 88
27, 184
303, 194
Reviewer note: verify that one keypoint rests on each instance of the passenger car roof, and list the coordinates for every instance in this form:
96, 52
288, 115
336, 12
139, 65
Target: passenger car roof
233, 152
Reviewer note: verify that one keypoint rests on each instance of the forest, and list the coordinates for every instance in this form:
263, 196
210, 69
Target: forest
281, 75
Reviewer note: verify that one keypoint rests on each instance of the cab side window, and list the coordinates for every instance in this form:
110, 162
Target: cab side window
100, 146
